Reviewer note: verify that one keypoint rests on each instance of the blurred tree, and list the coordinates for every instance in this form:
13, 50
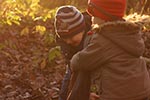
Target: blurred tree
51, 4
146, 7
139, 6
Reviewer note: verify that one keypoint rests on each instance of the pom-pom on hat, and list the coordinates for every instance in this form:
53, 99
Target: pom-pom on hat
68, 21
107, 10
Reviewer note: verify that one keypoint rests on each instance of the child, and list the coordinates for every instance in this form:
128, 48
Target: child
113, 56
71, 27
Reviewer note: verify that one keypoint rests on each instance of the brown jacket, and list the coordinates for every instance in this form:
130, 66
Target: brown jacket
114, 57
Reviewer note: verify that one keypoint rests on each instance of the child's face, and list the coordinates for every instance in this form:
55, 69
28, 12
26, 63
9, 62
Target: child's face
75, 40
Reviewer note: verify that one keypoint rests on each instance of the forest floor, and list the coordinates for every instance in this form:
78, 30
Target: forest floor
25, 73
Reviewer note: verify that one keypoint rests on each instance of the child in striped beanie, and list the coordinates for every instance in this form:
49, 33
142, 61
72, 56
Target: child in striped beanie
71, 27
69, 23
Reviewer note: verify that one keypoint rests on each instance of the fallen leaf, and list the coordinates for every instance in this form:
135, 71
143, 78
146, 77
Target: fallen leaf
43, 64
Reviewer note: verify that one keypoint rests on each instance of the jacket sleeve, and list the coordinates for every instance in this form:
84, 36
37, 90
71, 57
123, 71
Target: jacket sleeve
89, 58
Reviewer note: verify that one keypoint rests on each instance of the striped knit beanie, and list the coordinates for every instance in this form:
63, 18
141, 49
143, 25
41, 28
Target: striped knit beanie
68, 21
107, 9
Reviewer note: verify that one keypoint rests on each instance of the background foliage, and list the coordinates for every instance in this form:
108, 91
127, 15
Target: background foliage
30, 17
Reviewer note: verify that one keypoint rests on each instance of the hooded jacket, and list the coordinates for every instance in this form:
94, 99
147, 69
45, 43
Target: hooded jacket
113, 55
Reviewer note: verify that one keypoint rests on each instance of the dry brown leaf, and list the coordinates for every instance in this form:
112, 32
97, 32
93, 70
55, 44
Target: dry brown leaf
43, 64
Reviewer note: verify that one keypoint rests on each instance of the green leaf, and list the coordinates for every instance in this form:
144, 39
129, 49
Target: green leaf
16, 22
24, 31
40, 29
49, 38
53, 53
9, 22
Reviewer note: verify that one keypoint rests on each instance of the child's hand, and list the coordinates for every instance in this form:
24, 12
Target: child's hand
94, 96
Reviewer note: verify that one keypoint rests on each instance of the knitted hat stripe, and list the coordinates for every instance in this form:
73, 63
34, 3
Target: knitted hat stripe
115, 12
108, 8
73, 32
59, 13
76, 23
76, 20
72, 18
81, 27
67, 16
70, 31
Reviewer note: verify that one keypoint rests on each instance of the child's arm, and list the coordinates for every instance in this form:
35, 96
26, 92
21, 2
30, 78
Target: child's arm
89, 58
